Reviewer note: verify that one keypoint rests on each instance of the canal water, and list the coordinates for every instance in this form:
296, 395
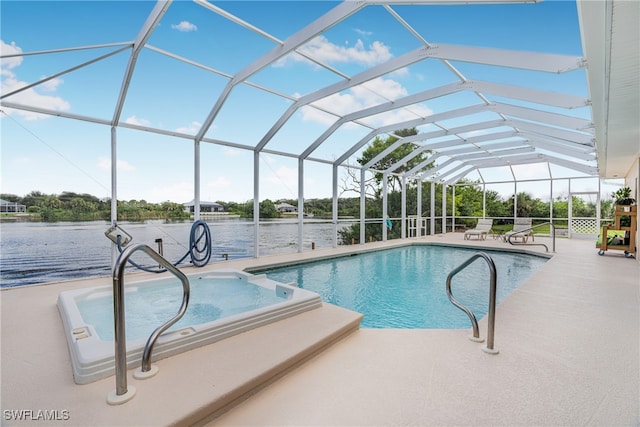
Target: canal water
34, 253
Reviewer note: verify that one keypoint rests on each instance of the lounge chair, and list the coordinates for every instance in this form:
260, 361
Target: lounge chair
483, 227
521, 230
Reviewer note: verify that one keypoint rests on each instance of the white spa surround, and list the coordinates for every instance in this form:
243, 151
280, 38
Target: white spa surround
93, 358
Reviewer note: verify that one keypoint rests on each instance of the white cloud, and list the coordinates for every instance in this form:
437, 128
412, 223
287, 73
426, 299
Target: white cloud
371, 93
133, 120
31, 96
323, 50
185, 27
51, 85
191, 129
398, 116
104, 163
338, 103
363, 32
10, 49
379, 90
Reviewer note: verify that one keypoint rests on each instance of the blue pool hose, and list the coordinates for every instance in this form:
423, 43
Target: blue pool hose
200, 254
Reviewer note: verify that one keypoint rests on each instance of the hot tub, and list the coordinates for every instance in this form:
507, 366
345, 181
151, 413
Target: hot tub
222, 304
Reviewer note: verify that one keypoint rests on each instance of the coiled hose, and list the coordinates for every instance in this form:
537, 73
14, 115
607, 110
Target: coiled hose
199, 248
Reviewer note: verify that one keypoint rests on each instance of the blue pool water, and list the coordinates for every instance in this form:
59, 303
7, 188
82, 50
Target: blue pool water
406, 287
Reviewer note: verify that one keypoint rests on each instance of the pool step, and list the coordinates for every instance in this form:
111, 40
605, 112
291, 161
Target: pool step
205, 382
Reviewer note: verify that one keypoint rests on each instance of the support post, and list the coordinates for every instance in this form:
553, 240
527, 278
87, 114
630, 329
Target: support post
114, 191
432, 207
384, 207
453, 208
444, 208
403, 214
256, 204
334, 209
362, 207
196, 180
300, 202
484, 200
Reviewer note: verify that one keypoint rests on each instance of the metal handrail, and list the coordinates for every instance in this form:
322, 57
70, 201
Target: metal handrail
553, 237
492, 300
119, 313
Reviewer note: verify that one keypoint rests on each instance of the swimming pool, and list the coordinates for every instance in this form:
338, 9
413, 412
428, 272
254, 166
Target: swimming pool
222, 304
405, 287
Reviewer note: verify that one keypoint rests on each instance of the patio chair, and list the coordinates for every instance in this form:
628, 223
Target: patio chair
483, 227
521, 230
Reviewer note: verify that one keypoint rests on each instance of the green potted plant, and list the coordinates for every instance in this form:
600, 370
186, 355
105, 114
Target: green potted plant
623, 197
624, 202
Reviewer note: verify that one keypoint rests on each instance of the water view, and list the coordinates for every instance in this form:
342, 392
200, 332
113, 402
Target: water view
34, 253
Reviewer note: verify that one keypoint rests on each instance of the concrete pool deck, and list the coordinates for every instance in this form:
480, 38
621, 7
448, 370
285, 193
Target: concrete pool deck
569, 342
568, 337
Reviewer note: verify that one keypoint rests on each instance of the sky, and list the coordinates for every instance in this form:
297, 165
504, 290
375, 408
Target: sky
52, 154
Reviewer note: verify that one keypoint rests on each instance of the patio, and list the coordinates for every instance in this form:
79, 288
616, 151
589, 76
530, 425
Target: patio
569, 355
568, 341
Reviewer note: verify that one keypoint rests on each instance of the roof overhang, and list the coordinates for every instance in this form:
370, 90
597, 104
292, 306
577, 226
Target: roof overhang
610, 33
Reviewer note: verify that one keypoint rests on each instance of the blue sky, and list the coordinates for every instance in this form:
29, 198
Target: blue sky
52, 155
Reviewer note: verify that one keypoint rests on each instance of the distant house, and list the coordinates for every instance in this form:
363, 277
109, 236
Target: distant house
11, 207
286, 208
205, 207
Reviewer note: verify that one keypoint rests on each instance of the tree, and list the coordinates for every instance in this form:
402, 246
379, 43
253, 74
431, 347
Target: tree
607, 208
402, 159
581, 208
540, 209
78, 204
525, 207
268, 209
401, 153
561, 207
173, 210
35, 198
52, 202
469, 200
10, 198
394, 158
495, 206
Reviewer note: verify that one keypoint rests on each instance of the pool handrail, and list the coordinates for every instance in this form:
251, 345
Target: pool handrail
492, 300
553, 237
122, 393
